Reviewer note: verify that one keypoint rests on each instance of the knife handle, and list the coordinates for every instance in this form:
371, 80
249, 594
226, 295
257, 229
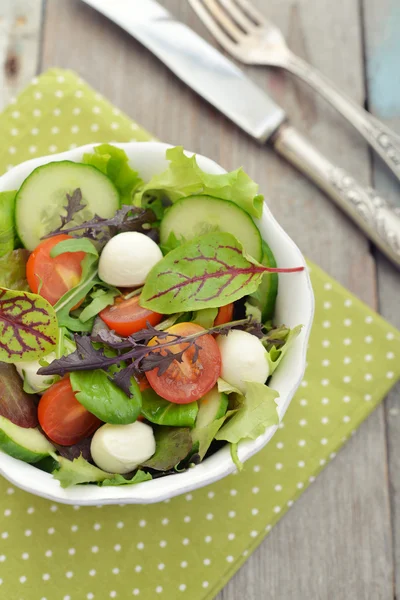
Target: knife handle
374, 215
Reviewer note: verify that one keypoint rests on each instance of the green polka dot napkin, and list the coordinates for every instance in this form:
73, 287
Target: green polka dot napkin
190, 546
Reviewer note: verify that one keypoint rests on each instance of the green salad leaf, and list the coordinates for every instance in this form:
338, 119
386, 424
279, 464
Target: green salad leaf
227, 388
206, 272
101, 298
114, 163
7, 230
96, 392
13, 270
28, 326
138, 477
161, 412
183, 178
173, 444
205, 317
204, 436
257, 412
71, 298
74, 245
277, 342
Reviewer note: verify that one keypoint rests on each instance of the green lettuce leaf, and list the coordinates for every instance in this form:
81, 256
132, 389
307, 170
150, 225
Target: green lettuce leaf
79, 470
227, 388
184, 177
205, 317
114, 163
13, 270
173, 444
100, 396
203, 436
257, 412
283, 338
7, 230
161, 412
138, 477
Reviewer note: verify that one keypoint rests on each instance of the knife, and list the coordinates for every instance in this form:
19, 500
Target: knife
219, 81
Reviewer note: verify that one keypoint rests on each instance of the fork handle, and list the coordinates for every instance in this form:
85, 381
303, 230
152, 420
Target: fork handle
381, 138
374, 215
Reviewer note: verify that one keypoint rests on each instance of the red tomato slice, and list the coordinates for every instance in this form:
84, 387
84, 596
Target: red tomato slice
187, 381
63, 419
127, 316
53, 277
225, 314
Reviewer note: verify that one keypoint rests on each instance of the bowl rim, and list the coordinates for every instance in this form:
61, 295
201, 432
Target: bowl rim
212, 469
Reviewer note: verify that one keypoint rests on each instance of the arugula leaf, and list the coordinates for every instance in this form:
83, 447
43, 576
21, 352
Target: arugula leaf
252, 311
100, 396
184, 177
277, 350
74, 245
28, 326
161, 412
258, 411
205, 317
13, 270
100, 299
74, 296
173, 444
138, 477
7, 230
114, 163
208, 271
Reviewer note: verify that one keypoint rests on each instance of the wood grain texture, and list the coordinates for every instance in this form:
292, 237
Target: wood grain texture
20, 27
382, 50
336, 541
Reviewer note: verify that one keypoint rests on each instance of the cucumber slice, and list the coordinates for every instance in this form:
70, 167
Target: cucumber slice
197, 215
212, 406
41, 198
265, 295
27, 444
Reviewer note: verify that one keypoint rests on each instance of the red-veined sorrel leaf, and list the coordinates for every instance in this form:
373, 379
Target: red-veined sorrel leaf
208, 271
28, 326
15, 404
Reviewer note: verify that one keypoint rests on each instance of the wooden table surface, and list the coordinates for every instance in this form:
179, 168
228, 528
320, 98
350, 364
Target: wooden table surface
341, 540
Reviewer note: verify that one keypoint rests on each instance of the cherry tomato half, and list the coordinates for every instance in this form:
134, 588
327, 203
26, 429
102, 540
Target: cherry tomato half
53, 277
225, 314
127, 316
63, 419
187, 381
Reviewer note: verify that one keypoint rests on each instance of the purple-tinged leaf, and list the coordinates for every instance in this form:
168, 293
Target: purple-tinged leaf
15, 404
209, 271
28, 326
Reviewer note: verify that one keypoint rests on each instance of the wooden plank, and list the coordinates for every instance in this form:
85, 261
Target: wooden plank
382, 22
20, 26
335, 543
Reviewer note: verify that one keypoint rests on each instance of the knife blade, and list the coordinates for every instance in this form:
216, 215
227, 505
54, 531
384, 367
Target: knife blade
197, 63
225, 86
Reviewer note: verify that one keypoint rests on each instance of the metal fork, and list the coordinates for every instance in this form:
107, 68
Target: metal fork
244, 32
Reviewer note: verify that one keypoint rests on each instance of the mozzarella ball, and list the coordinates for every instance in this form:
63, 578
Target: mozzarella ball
27, 370
121, 448
243, 359
127, 259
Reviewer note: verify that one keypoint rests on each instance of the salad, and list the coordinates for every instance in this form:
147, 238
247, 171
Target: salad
137, 330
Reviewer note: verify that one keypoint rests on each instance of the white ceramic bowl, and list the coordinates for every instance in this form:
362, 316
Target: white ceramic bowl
295, 304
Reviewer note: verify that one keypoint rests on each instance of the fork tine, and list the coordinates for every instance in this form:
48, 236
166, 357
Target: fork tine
223, 19
238, 15
252, 11
212, 26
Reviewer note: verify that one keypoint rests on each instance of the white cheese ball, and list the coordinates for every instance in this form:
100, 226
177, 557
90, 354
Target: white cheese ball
121, 448
243, 359
27, 370
127, 259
